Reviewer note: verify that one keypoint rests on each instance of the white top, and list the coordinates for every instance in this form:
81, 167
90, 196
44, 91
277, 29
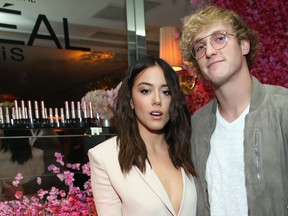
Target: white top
225, 173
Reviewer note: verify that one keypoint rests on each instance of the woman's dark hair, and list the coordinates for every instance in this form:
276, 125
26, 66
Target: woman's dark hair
177, 130
20, 148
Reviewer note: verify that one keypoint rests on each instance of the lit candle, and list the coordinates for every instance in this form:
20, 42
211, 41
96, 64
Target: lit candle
16, 109
51, 115
1, 116
62, 115
56, 116
67, 110
84, 109
72, 109
43, 110
90, 109
30, 111
79, 110
23, 109
36, 110
7, 115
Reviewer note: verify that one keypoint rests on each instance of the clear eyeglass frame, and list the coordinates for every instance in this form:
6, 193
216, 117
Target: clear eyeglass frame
218, 41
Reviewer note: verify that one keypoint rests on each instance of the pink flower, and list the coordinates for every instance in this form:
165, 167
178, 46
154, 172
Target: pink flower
17, 179
34, 199
18, 194
86, 169
59, 158
53, 168
62, 193
52, 197
39, 181
67, 176
54, 201
112, 95
194, 2
75, 166
41, 193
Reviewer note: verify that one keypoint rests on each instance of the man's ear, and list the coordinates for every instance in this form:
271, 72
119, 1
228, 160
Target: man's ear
245, 47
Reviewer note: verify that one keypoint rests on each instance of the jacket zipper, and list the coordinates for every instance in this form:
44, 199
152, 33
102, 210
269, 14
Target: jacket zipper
257, 154
206, 199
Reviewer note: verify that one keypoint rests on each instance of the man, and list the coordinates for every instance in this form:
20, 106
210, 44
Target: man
239, 139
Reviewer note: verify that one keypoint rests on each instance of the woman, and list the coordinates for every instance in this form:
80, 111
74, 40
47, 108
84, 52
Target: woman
146, 169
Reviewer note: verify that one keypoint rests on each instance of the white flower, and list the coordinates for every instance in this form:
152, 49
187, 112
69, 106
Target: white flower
102, 102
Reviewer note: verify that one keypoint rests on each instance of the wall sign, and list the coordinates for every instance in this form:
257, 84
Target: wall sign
16, 53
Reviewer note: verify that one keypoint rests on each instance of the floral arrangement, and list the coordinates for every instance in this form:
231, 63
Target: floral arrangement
75, 203
101, 101
202, 93
270, 20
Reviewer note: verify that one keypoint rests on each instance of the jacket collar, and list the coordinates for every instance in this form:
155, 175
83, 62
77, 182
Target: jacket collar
258, 94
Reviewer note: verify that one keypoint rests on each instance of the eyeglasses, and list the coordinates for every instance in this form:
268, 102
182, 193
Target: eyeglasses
218, 41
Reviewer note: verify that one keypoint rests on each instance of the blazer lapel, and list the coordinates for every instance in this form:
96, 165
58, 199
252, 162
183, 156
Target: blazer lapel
155, 184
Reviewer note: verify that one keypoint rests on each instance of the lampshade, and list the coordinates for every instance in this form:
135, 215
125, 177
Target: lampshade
169, 46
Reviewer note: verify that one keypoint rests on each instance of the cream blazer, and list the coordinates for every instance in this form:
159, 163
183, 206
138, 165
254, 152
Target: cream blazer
133, 194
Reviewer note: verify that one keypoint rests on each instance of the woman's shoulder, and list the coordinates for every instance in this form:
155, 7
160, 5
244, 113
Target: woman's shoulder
105, 155
4, 157
37, 152
108, 146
